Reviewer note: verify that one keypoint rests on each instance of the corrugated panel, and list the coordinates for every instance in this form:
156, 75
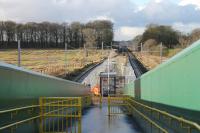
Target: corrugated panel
129, 89
18, 83
175, 82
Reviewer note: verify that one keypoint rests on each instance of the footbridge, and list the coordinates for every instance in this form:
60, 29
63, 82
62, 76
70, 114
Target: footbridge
163, 100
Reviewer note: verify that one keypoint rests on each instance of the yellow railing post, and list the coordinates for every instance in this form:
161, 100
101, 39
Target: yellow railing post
109, 105
41, 114
100, 101
90, 99
79, 114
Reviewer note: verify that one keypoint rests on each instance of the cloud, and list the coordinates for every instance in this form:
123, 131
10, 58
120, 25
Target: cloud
128, 33
166, 12
102, 18
185, 28
61, 10
126, 14
190, 2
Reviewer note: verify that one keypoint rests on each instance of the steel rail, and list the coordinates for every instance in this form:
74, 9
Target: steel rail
188, 122
24, 121
34, 106
19, 122
133, 109
148, 119
83, 74
19, 108
22, 108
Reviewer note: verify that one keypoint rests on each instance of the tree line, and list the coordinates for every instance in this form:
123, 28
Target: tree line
187, 39
56, 35
167, 35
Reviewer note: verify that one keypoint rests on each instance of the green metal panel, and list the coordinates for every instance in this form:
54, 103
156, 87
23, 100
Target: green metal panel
20, 87
129, 89
175, 82
18, 84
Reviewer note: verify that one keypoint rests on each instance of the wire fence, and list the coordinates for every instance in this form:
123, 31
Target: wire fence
52, 61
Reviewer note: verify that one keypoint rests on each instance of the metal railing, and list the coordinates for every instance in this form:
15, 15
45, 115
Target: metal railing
14, 111
117, 105
120, 105
18, 109
161, 130
97, 100
63, 114
147, 112
85, 101
183, 122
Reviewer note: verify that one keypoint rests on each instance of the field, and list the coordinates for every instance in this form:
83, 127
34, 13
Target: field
151, 61
52, 61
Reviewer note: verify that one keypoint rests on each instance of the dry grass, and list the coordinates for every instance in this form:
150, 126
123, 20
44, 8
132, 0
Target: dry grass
52, 61
172, 52
149, 61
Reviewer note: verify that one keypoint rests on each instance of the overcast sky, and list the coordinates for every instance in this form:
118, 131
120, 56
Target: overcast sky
129, 16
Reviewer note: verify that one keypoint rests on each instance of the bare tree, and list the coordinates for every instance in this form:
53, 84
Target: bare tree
47, 34
1, 32
10, 31
90, 39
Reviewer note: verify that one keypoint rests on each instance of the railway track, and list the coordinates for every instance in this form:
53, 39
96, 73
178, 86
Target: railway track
137, 66
81, 77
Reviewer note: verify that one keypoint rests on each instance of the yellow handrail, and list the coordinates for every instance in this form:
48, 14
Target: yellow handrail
193, 124
123, 101
19, 122
148, 119
22, 108
33, 106
19, 108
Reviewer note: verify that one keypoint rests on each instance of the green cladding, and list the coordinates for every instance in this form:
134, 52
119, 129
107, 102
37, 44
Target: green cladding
23, 85
128, 89
175, 82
